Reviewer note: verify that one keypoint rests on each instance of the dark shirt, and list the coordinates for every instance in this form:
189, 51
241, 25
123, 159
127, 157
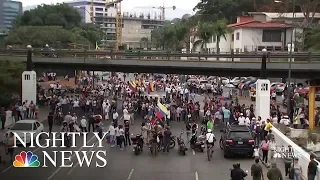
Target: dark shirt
126, 128
237, 174
167, 135
3, 116
188, 127
312, 168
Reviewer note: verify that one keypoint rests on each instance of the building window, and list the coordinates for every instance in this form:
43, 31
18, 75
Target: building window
237, 36
99, 9
27, 77
99, 14
271, 36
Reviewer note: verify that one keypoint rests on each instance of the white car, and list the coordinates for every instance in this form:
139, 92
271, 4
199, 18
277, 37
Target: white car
237, 80
204, 84
224, 80
24, 126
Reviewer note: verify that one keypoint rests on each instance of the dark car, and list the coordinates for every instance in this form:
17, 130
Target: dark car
236, 140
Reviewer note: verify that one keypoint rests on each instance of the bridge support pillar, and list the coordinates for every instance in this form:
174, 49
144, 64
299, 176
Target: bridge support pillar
313, 84
263, 99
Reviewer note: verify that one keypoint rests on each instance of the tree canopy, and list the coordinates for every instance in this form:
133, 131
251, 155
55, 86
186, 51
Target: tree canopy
10, 80
55, 25
50, 15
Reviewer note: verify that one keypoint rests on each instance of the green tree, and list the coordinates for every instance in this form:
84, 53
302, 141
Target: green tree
89, 31
204, 33
212, 10
312, 38
38, 36
220, 29
65, 21
50, 15
10, 80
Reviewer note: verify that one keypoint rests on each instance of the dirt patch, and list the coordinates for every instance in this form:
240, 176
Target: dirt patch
63, 82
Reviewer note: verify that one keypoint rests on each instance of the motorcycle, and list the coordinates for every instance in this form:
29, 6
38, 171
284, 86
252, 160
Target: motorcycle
197, 144
58, 118
49, 52
67, 140
181, 146
137, 142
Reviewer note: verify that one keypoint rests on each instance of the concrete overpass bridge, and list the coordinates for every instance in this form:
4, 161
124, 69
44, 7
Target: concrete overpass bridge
305, 65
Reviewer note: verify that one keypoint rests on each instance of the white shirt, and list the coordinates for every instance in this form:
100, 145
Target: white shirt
241, 120
83, 123
285, 121
76, 103
115, 115
126, 115
247, 121
256, 152
210, 137
275, 120
112, 130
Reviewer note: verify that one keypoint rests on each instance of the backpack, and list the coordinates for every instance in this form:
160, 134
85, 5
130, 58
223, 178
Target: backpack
265, 146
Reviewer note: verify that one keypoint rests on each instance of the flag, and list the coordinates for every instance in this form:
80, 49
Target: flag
132, 85
161, 110
151, 86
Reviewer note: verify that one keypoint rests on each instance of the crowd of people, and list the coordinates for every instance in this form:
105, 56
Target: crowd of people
94, 105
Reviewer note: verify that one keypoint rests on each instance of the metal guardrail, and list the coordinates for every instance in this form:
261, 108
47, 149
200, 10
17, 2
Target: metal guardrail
169, 55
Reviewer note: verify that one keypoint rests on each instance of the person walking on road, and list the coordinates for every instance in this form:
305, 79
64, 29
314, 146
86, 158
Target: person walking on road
312, 168
256, 171
50, 121
166, 139
3, 117
274, 173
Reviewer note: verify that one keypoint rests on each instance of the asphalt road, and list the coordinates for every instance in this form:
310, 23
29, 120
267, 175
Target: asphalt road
124, 165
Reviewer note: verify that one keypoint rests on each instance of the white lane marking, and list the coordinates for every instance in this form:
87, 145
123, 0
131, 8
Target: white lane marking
77, 164
193, 152
56, 171
5, 170
197, 176
130, 174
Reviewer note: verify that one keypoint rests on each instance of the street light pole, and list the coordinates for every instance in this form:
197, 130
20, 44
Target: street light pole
263, 70
290, 61
29, 58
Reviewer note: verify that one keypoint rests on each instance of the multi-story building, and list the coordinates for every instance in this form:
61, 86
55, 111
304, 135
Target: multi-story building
259, 30
8, 12
135, 26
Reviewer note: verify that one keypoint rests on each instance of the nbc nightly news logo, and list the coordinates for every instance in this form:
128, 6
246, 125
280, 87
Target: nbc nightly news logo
83, 158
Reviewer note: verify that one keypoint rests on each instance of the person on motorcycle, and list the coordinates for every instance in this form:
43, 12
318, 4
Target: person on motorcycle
65, 127
211, 138
237, 173
194, 127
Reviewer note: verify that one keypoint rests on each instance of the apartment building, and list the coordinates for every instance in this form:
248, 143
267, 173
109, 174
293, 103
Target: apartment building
136, 26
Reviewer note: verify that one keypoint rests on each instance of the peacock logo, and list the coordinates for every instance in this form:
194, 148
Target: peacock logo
26, 159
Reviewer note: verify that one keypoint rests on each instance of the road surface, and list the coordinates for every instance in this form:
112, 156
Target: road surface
124, 165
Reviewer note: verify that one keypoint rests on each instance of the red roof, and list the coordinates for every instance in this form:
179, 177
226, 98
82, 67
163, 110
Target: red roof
258, 24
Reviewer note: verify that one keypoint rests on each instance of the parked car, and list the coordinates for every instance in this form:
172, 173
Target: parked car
26, 126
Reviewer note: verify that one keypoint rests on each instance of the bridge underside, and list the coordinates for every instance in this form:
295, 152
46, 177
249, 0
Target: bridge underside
210, 71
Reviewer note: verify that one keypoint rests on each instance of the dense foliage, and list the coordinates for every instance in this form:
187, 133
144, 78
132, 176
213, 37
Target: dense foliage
10, 75
54, 25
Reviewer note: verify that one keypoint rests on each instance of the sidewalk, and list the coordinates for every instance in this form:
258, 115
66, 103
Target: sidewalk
44, 111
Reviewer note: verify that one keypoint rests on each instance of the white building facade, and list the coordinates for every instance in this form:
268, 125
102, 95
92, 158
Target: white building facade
257, 31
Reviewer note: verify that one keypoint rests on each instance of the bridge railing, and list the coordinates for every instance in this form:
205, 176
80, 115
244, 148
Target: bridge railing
165, 55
